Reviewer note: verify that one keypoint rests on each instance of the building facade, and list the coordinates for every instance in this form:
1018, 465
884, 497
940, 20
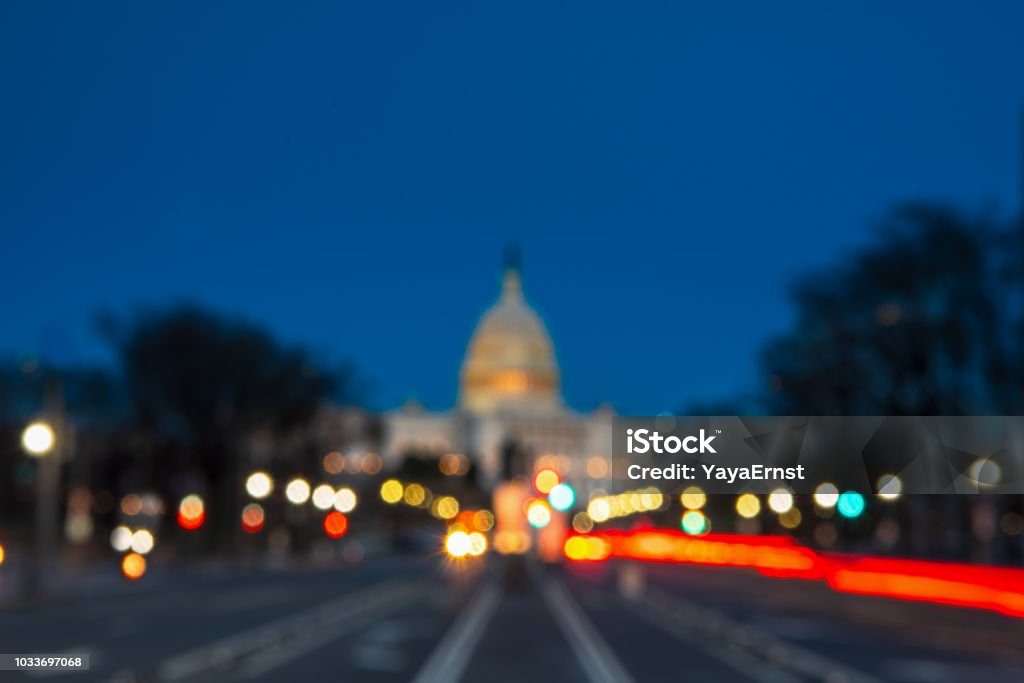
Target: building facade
509, 400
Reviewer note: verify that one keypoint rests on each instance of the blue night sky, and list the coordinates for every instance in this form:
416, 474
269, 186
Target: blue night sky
348, 173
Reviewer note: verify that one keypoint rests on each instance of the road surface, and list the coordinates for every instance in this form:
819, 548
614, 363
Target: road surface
421, 619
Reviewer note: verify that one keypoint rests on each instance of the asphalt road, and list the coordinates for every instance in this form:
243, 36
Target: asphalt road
423, 620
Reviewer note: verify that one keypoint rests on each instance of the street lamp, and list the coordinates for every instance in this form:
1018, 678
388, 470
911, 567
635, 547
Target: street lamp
39, 441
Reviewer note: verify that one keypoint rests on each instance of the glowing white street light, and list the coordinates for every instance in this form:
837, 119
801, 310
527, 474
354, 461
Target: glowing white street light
121, 539
890, 487
826, 495
780, 500
38, 439
259, 485
345, 500
297, 491
142, 541
323, 497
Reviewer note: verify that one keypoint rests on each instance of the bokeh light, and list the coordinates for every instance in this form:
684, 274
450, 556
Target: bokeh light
477, 544
597, 467
445, 507
780, 500
598, 510
121, 539
414, 495
334, 463
562, 497
142, 541
538, 514
345, 500
483, 520
323, 497
335, 524
582, 523
131, 505
371, 463
297, 491
890, 487
191, 512
985, 472
458, 544
452, 464
693, 498
259, 485
851, 504
826, 495
694, 522
392, 491
545, 480
253, 518
748, 505
133, 566
791, 518
38, 438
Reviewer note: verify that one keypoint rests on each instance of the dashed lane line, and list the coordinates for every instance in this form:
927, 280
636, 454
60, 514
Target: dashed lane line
595, 656
274, 643
448, 661
683, 618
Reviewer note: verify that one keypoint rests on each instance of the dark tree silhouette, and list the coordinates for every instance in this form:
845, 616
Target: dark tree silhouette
201, 386
913, 326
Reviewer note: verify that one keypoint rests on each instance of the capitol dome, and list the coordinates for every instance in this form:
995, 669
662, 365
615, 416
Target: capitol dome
510, 364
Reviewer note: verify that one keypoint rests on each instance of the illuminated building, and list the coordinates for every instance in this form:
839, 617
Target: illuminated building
509, 393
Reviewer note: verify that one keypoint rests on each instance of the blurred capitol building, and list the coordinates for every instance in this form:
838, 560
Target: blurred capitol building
509, 401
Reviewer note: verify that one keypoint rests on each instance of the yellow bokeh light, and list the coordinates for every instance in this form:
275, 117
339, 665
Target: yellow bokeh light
392, 491
414, 494
512, 542
587, 548
790, 518
693, 498
599, 510
483, 520
545, 480
446, 507
582, 523
133, 566
748, 505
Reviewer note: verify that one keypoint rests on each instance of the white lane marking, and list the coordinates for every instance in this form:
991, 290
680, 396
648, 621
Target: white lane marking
786, 655
234, 648
449, 659
734, 658
597, 659
313, 637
